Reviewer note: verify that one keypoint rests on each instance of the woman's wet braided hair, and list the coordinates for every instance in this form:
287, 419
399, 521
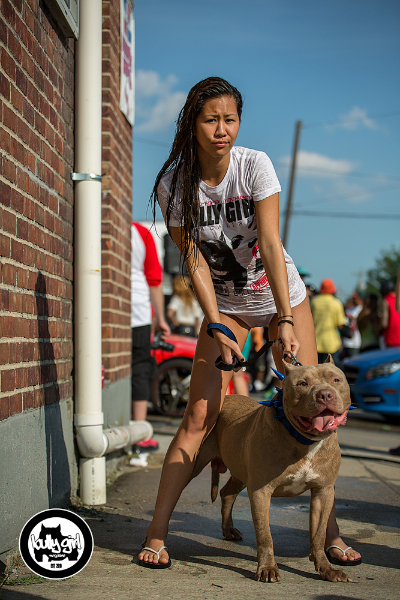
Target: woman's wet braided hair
183, 158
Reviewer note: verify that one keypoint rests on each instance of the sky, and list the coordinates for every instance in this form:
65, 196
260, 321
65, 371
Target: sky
334, 66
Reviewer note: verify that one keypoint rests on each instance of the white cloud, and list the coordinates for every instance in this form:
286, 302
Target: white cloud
316, 165
341, 190
357, 117
157, 105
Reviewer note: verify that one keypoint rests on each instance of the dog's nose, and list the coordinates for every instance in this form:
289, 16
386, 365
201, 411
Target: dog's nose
326, 396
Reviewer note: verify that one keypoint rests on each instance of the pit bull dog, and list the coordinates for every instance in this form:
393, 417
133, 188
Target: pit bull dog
282, 456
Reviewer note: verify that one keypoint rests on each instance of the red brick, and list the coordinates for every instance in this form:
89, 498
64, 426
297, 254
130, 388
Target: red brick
8, 380
15, 404
4, 353
8, 64
3, 32
18, 151
4, 408
14, 46
28, 399
29, 256
9, 170
17, 251
22, 278
23, 182
28, 112
22, 229
21, 378
5, 193
5, 87
9, 222
17, 99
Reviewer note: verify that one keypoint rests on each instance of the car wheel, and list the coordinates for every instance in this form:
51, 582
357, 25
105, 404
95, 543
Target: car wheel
170, 389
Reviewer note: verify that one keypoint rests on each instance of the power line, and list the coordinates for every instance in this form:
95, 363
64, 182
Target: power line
151, 142
340, 173
309, 213
394, 113
362, 193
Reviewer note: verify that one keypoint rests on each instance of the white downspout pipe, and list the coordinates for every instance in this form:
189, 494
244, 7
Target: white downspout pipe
92, 442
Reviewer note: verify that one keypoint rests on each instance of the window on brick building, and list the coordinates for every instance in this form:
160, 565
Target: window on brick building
66, 14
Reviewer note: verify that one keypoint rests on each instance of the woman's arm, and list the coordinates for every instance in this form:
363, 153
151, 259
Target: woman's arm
385, 314
171, 316
270, 246
203, 288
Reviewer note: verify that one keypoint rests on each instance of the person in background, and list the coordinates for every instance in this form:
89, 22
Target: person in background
183, 310
329, 318
369, 324
396, 451
146, 292
351, 345
390, 316
311, 290
258, 368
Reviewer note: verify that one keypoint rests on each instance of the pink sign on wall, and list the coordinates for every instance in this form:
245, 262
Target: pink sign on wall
127, 93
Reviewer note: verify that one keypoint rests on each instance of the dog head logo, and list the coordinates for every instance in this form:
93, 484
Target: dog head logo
56, 544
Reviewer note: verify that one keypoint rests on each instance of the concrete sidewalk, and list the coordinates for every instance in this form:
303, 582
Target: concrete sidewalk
204, 566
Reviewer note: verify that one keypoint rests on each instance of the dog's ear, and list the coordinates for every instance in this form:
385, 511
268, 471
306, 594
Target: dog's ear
287, 367
329, 359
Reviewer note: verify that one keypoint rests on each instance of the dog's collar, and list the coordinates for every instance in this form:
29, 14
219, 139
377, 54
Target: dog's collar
277, 402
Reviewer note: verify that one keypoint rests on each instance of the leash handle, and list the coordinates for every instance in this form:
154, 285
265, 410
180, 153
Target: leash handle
220, 364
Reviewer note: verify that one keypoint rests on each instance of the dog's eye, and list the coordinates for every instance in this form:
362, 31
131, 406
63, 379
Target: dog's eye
302, 383
336, 380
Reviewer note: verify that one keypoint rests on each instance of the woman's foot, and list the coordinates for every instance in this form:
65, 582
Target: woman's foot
152, 554
349, 556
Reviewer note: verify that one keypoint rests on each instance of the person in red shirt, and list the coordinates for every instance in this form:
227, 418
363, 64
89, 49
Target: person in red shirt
390, 316
396, 451
146, 295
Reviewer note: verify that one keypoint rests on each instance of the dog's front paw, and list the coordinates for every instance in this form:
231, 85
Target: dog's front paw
329, 574
268, 574
231, 533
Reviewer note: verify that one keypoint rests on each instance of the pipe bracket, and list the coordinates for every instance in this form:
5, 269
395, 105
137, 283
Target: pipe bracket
86, 177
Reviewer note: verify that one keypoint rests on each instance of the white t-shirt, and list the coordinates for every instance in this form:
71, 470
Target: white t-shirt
184, 314
355, 341
228, 233
146, 272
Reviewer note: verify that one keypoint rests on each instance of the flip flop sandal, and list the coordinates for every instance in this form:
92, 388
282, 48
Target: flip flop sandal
153, 565
337, 561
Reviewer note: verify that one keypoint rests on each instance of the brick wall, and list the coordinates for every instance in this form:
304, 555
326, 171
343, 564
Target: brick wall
116, 207
36, 218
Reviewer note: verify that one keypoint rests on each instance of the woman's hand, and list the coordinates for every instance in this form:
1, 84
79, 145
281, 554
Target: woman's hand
228, 348
287, 341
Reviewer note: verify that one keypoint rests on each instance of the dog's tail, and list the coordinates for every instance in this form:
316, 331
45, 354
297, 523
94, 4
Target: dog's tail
214, 484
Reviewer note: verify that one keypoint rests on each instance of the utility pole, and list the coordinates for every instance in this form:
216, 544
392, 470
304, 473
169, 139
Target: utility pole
288, 211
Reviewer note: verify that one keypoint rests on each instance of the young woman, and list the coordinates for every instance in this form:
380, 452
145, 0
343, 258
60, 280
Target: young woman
183, 309
221, 206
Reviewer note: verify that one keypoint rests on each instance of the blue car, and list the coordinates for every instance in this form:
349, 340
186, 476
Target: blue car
374, 379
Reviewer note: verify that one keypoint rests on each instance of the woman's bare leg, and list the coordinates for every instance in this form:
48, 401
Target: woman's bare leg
207, 391
304, 331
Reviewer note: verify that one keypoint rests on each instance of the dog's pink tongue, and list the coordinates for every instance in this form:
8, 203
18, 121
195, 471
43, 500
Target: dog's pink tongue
322, 422
327, 420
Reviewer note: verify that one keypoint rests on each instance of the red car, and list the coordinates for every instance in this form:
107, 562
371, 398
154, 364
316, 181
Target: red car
174, 357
